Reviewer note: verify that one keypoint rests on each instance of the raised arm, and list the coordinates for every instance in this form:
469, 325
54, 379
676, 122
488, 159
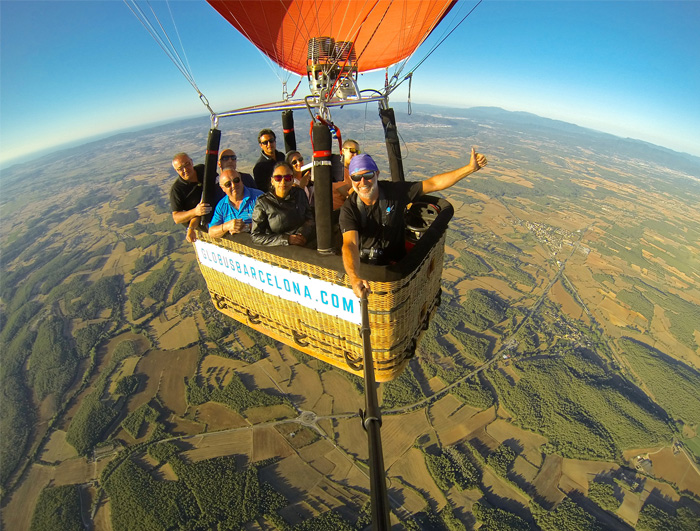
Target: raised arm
445, 180
351, 262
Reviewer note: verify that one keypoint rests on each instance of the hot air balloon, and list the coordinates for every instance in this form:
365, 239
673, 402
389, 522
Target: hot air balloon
302, 297
299, 296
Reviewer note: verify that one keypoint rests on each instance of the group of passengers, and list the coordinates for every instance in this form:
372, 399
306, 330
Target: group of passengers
276, 204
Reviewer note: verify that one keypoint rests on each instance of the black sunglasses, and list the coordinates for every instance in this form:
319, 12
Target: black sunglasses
366, 176
266, 142
297, 161
229, 157
229, 184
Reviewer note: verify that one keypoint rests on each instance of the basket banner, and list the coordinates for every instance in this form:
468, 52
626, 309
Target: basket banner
313, 293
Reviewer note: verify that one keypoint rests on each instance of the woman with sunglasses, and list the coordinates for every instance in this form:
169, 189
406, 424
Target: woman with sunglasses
301, 179
283, 216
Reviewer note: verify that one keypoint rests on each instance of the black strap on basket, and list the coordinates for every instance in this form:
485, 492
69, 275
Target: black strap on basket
372, 422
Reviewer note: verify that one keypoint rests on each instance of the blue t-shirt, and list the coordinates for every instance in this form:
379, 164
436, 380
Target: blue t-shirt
225, 211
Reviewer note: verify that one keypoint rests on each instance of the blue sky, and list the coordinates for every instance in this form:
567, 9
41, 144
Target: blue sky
78, 69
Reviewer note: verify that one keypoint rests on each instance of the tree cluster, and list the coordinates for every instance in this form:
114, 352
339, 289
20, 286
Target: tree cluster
604, 495
90, 422
211, 494
567, 516
235, 395
501, 459
652, 518
449, 467
496, 519
473, 393
155, 286
133, 422
58, 508
402, 391
584, 411
673, 384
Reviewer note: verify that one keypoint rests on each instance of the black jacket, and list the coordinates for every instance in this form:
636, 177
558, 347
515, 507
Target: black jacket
274, 219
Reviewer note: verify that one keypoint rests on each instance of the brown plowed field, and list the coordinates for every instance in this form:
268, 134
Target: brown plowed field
547, 481
219, 417
166, 372
206, 446
412, 470
531, 442
267, 443
399, 433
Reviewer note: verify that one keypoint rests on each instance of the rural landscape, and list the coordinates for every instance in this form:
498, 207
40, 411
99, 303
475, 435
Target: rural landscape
556, 387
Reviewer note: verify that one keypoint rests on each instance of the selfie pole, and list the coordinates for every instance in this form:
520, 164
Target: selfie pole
372, 422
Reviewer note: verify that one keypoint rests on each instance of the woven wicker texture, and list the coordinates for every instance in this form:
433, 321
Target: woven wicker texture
398, 311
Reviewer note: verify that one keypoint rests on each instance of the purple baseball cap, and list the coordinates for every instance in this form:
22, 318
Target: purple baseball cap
362, 163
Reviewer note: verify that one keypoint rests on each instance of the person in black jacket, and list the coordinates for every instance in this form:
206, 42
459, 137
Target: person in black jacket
269, 156
283, 216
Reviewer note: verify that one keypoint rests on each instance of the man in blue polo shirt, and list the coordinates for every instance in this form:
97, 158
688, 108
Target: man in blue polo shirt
233, 213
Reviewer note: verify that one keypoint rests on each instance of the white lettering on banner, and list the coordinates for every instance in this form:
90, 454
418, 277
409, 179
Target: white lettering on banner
317, 294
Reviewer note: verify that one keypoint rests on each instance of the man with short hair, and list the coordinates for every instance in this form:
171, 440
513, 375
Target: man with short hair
234, 212
372, 221
342, 189
269, 156
186, 194
228, 159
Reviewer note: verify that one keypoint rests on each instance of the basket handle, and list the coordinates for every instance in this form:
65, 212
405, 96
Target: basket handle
220, 301
298, 339
253, 318
355, 364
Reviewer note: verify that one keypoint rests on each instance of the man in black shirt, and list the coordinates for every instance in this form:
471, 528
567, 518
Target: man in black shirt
372, 221
269, 156
186, 194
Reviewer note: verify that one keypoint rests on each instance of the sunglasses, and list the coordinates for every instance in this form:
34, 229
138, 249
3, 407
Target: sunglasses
287, 178
366, 176
297, 161
229, 157
353, 150
229, 184
267, 142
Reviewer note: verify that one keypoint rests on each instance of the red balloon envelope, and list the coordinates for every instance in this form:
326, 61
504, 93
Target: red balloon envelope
384, 32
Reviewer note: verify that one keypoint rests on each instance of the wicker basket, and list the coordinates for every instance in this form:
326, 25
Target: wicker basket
399, 308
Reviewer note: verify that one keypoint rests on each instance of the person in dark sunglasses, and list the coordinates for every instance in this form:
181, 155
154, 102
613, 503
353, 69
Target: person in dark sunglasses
228, 160
269, 156
302, 179
234, 213
342, 189
372, 222
282, 216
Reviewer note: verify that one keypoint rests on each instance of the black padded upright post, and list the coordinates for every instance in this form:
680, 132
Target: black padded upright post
211, 160
393, 147
321, 140
290, 139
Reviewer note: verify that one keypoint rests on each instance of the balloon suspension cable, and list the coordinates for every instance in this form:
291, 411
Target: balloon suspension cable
439, 43
270, 63
166, 44
295, 88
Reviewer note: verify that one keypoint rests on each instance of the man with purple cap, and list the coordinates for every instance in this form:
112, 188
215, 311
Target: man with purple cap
372, 221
